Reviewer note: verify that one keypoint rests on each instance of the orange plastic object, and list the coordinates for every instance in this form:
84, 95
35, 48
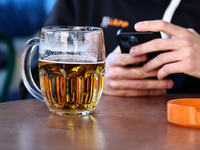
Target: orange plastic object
184, 112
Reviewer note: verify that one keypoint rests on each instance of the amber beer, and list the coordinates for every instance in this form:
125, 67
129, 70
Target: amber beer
70, 85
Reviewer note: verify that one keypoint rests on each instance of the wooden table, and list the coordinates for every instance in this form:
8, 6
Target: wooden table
117, 123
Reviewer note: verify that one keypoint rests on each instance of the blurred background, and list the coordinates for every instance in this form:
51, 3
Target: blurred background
20, 20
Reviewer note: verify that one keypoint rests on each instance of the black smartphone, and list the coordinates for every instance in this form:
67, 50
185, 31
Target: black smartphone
128, 38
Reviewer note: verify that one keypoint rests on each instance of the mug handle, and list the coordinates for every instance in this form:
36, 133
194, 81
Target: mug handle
25, 69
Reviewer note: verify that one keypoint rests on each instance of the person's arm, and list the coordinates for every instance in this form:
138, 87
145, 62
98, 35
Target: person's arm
184, 56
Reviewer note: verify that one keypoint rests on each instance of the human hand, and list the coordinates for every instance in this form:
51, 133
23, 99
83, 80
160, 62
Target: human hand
131, 81
184, 46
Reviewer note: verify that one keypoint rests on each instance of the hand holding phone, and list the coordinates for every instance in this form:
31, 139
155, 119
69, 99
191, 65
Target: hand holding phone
128, 38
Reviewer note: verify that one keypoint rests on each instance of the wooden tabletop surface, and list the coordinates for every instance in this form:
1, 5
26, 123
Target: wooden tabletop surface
117, 123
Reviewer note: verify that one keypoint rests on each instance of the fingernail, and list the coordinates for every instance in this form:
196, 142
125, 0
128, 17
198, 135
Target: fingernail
169, 84
132, 51
138, 25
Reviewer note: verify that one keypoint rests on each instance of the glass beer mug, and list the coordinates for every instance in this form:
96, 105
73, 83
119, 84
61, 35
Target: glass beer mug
71, 68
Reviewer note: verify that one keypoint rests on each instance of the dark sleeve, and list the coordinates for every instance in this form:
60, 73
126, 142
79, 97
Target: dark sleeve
62, 14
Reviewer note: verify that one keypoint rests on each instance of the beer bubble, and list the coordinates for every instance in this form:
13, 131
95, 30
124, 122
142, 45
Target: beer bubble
73, 106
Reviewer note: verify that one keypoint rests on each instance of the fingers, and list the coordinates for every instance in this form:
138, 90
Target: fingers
137, 87
183, 60
155, 45
160, 25
170, 69
128, 73
140, 84
124, 59
134, 92
161, 45
131, 81
161, 59
117, 59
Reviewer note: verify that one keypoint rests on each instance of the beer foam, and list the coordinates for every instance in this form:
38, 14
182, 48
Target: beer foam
61, 48
64, 59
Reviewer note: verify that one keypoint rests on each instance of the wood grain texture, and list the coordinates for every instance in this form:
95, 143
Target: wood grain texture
117, 123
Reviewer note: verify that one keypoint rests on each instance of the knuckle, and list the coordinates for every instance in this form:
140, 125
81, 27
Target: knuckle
137, 74
162, 24
119, 60
189, 53
187, 42
114, 59
141, 75
112, 73
166, 69
114, 85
